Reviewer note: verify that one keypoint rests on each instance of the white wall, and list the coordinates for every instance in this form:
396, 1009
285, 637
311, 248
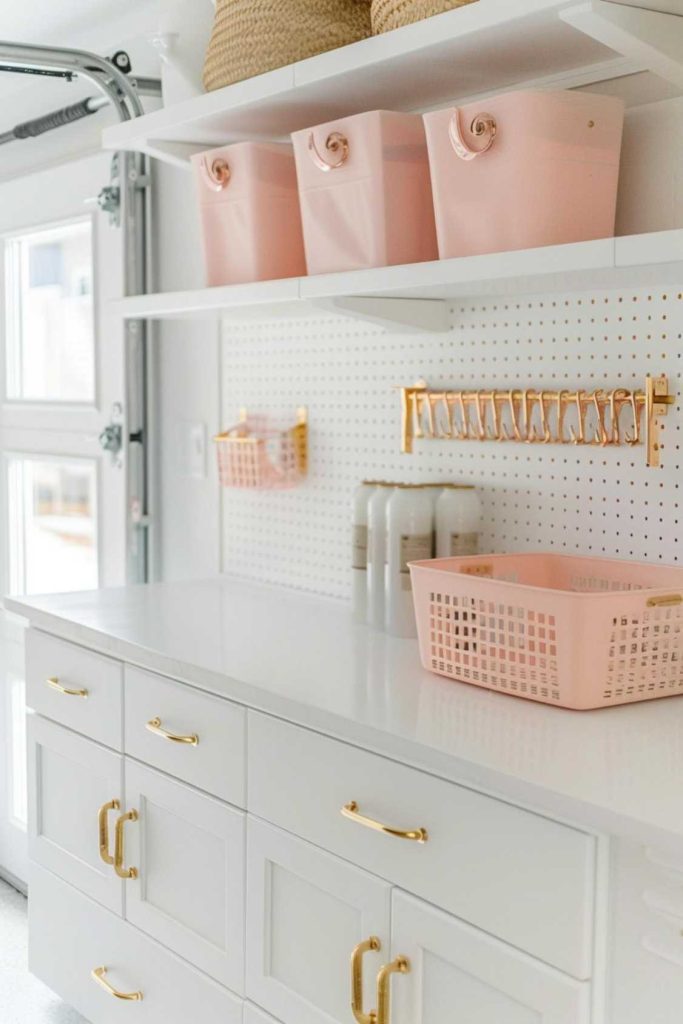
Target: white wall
188, 398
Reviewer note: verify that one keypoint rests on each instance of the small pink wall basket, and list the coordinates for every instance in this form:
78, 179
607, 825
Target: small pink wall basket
255, 454
576, 632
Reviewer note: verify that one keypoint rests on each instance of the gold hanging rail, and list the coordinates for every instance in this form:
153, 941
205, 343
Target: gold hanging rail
601, 417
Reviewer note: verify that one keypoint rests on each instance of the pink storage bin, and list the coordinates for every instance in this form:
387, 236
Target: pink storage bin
575, 632
524, 169
251, 224
257, 454
366, 197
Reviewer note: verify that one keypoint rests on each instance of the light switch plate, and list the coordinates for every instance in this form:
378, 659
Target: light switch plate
191, 449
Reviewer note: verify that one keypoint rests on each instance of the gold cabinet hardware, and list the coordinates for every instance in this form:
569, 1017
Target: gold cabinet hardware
665, 601
154, 726
401, 965
99, 975
417, 835
119, 855
369, 945
54, 682
103, 826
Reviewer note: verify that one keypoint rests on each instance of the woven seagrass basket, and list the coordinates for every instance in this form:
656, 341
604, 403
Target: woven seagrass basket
253, 36
390, 14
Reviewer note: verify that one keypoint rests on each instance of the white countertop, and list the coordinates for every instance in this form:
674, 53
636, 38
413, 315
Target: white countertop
303, 659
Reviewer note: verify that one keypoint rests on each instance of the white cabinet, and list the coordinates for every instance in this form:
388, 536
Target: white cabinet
350, 886
188, 849
306, 912
70, 937
71, 782
458, 973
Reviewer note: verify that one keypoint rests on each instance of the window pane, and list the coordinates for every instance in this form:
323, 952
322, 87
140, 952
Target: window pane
50, 322
52, 525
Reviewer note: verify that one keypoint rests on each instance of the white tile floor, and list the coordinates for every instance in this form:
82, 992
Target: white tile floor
23, 999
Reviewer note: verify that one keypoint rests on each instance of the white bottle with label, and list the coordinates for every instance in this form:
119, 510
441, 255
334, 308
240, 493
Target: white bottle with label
377, 552
410, 531
458, 521
359, 549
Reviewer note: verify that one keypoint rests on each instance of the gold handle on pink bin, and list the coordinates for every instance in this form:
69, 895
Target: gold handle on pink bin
483, 126
335, 143
665, 601
217, 174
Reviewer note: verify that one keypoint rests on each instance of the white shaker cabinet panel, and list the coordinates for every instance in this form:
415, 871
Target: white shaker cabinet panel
70, 937
77, 687
188, 850
306, 912
458, 973
189, 734
71, 780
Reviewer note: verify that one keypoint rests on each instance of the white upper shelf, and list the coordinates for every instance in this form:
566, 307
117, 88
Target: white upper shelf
478, 49
416, 296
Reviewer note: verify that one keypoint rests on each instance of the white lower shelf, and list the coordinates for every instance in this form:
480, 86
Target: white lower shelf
416, 296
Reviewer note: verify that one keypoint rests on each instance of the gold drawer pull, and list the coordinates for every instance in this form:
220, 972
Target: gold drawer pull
54, 682
98, 974
401, 965
369, 945
103, 826
350, 810
154, 725
119, 855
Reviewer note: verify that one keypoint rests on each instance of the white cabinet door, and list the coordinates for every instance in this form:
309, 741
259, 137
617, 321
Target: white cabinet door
70, 779
306, 912
188, 850
458, 973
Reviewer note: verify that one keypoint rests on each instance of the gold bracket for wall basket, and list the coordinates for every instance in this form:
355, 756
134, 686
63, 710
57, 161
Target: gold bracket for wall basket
602, 417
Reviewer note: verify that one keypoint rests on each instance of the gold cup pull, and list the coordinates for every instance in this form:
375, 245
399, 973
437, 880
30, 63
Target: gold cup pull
369, 945
154, 725
119, 855
103, 828
99, 975
401, 965
54, 682
350, 811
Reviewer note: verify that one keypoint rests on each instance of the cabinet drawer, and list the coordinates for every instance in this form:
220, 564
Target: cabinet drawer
515, 874
157, 706
70, 936
93, 701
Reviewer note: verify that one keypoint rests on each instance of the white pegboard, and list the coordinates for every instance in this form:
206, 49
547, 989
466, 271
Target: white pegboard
573, 499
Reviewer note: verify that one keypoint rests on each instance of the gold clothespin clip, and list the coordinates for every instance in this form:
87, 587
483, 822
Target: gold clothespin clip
516, 435
601, 437
560, 401
579, 438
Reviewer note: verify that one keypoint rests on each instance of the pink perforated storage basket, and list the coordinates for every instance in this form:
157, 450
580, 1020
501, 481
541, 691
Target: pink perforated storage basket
576, 632
256, 455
